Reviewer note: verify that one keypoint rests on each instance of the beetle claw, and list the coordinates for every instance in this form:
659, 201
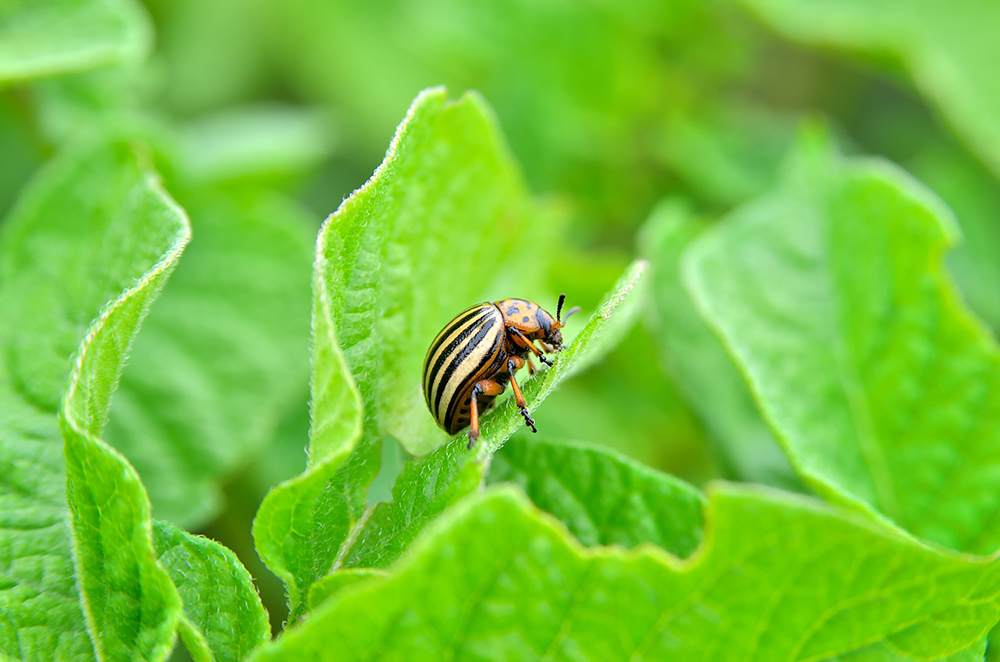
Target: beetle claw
544, 359
530, 422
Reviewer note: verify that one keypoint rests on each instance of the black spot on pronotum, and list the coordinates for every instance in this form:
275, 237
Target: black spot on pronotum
525, 319
513, 310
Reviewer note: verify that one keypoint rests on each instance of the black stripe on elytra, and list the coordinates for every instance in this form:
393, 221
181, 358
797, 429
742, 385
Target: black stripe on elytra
498, 359
465, 330
457, 323
459, 357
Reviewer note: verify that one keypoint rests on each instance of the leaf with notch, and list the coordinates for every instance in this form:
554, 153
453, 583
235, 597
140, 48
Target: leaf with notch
222, 356
699, 363
810, 583
90, 226
832, 296
604, 498
425, 232
429, 485
131, 606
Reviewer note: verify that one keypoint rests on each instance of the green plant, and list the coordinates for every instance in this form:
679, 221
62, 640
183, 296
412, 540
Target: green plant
155, 336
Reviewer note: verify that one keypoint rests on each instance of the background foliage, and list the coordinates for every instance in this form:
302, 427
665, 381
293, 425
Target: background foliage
781, 219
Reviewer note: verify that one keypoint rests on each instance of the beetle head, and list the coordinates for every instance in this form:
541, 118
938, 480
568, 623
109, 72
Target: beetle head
552, 334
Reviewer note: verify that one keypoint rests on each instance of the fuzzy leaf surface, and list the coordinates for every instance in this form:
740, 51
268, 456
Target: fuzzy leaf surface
94, 223
421, 238
604, 498
696, 359
217, 592
510, 583
832, 295
131, 606
430, 484
222, 355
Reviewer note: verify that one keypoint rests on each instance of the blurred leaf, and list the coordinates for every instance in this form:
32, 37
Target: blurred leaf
330, 585
90, 103
885, 652
832, 296
947, 48
429, 485
215, 52
972, 192
699, 362
628, 403
47, 37
222, 356
18, 144
415, 244
602, 497
254, 142
217, 592
581, 88
728, 153
92, 223
509, 583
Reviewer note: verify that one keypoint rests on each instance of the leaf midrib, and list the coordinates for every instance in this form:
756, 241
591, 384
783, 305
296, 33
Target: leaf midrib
853, 387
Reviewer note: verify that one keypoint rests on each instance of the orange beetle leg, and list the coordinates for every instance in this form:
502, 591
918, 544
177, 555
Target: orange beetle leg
531, 366
527, 344
482, 387
514, 364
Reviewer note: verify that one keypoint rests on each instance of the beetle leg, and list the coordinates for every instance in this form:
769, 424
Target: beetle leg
545, 347
514, 364
531, 366
482, 387
527, 344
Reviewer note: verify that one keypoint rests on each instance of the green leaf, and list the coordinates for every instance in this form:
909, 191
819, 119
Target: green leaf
219, 597
779, 577
94, 223
222, 356
602, 497
885, 652
429, 485
132, 608
581, 87
253, 143
330, 585
726, 152
48, 37
943, 47
698, 362
405, 252
833, 298
971, 192
606, 327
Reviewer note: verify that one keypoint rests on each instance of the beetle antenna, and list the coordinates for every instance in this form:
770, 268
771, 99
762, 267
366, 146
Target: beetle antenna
562, 299
574, 309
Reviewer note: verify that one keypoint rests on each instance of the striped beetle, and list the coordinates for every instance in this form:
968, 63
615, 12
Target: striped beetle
470, 362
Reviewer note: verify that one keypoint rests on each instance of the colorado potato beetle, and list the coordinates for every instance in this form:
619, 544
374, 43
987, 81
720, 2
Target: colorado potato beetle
470, 362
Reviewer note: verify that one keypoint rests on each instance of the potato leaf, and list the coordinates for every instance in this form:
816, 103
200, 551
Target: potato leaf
47, 37
401, 256
429, 485
778, 577
832, 296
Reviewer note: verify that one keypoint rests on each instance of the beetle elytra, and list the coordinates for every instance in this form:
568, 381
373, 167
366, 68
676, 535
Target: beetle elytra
474, 356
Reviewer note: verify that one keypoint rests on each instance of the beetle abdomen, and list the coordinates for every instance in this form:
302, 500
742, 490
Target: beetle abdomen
464, 352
